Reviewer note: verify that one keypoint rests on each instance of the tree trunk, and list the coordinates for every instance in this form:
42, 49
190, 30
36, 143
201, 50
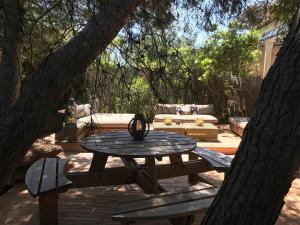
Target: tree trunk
267, 158
35, 112
11, 53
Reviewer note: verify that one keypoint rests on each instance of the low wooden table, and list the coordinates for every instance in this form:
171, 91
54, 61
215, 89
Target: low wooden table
178, 128
207, 131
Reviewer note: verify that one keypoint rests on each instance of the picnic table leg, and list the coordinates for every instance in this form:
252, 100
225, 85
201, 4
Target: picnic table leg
187, 220
98, 162
150, 163
146, 177
176, 161
192, 178
48, 208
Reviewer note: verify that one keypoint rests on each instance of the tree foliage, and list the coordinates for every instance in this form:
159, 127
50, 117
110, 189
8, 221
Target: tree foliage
179, 72
262, 13
51, 24
227, 57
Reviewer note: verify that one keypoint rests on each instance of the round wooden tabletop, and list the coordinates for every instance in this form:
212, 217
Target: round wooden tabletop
121, 144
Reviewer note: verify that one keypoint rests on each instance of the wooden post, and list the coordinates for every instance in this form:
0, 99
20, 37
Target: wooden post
186, 220
48, 208
150, 163
152, 174
98, 162
268, 56
192, 178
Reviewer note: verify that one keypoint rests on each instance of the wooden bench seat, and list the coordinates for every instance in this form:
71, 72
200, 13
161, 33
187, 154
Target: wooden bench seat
46, 178
217, 160
166, 205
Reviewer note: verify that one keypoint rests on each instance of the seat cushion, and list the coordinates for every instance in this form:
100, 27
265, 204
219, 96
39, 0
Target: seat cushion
205, 109
103, 120
166, 108
186, 110
186, 118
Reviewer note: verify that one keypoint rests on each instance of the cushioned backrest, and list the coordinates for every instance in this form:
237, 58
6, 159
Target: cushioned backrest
205, 109
171, 109
165, 109
83, 110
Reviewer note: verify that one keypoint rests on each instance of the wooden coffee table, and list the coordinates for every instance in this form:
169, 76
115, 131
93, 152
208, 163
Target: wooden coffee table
207, 131
177, 128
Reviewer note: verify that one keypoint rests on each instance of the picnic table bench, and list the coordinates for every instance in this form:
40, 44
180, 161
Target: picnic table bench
217, 160
168, 205
46, 178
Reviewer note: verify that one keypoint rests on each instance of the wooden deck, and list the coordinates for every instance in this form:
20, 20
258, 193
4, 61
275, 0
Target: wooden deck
91, 206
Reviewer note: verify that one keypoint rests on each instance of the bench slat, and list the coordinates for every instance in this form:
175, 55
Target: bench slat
62, 179
33, 177
220, 156
166, 212
213, 163
49, 181
167, 200
216, 159
46, 174
197, 187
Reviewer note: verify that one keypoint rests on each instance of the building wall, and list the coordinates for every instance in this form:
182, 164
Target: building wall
259, 68
275, 50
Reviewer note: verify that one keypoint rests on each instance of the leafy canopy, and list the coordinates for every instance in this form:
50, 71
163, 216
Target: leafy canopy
230, 53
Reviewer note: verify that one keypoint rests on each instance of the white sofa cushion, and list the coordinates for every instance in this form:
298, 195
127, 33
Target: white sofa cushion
171, 108
102, 120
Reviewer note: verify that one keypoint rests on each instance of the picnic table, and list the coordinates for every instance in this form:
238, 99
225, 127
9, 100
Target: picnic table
156, 145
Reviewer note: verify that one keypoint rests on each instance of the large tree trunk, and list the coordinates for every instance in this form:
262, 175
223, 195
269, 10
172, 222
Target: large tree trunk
267, 158
11, 53
35, 112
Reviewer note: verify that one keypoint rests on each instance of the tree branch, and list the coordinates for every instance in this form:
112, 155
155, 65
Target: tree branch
35, 113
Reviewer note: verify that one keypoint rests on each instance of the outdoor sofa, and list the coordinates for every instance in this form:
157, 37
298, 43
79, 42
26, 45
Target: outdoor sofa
238, 124
100, 121
206, 112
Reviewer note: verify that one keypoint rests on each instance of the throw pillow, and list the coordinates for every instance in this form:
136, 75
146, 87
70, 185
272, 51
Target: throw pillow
185, 110
83, 110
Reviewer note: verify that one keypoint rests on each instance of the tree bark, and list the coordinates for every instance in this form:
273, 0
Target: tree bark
35, 112
11, 53
267, 158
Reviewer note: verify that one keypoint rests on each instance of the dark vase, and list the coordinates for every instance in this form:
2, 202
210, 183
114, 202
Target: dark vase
138, 127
